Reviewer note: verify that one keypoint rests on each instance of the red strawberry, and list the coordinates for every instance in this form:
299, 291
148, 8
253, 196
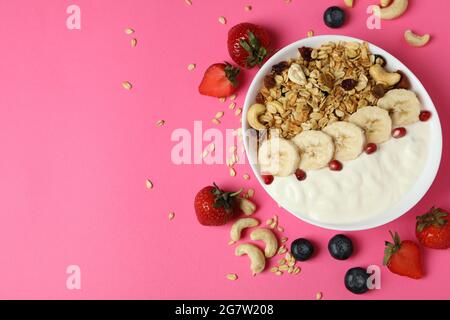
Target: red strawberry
248, 45
220, 80
403, 258
433, 229
215, 207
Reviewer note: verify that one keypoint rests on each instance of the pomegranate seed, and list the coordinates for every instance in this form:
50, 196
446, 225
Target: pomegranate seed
425, 116
267, 178
300, 174
335, 165
399, 133
371, 148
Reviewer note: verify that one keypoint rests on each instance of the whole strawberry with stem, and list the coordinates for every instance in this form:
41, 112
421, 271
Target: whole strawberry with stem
403, 257
220, 80
215, 207
248, 44
433, 229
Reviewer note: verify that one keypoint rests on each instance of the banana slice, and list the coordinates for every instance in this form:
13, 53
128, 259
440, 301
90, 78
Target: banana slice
403, 105
278, 157
375, 121
349, 139
316, 149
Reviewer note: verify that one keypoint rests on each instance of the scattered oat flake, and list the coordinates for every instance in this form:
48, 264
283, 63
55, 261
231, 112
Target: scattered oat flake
191, 66
282, 250
282, 261
232, 172
269, 222
274, 269
283, 268
232, 277
205, 153
232, 106
279, 273
133, 42
219, 114
233, 97
171, 216
284, 240
319, 296
129, 31
231, 242
188, 2
297, 270
215, 121
127, 85
310, 33
246, 177
222, 100
149, 184
248, 8
250, 193
212, 147
160, 123
222, 20
238, 111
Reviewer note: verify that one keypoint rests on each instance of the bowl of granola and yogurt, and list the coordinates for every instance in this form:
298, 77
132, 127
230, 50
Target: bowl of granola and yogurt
340, 133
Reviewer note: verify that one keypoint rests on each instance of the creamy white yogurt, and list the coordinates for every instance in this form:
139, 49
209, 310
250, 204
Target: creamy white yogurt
365, 187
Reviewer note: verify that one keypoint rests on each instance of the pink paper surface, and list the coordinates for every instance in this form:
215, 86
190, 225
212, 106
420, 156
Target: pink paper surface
76, 149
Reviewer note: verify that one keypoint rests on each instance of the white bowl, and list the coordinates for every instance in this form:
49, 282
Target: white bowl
426, 178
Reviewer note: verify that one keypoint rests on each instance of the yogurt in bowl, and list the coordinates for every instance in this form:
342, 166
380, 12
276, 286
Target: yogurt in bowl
304, 93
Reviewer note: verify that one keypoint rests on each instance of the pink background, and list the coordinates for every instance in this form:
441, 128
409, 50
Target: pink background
76, 149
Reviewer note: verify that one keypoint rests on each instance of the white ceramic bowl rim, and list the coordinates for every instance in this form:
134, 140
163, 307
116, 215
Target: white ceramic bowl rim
426, 178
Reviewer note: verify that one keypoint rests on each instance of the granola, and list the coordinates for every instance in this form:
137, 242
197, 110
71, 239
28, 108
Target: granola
323, 85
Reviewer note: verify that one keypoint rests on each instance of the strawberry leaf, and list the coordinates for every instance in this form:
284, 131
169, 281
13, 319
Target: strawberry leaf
391, 248
256, 53
224, 199
232, 73
435, 217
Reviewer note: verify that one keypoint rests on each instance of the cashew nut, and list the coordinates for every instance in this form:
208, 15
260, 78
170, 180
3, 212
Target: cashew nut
381, 76
247, 206
253, 114
257, 259
394, 10
385, 3
349, 3
416, 40
269, 238
240, 225
296, 74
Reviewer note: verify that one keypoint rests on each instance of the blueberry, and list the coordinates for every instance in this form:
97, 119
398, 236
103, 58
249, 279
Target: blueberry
356, 280
334, 17
340, 247
302, 249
